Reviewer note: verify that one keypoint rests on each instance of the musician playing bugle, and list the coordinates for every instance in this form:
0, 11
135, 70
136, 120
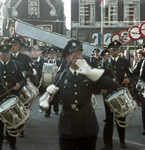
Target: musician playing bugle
11, 77
78, 126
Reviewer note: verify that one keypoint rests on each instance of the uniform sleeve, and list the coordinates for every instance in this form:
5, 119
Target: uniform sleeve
28, 67
20, 75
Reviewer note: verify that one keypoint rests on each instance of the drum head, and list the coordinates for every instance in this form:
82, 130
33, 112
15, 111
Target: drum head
115, 95
7, 104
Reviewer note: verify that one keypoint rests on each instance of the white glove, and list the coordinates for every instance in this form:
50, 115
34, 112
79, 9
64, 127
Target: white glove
52, 89
34, 71
93, 74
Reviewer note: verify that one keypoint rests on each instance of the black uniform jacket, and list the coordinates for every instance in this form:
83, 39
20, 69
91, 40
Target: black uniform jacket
121, 68
95, 62
138, 71
81, 123
12, 74
25, 61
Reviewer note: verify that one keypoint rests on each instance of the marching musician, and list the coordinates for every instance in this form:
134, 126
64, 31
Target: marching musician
59, 57
139, 72
55, 102
115, 68
95, 60
78, 126
17, 56
11, 77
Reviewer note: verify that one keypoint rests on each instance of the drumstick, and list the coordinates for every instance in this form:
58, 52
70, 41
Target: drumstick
9, 90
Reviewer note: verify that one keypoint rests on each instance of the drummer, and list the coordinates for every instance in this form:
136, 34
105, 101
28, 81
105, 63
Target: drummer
115, 68
11, 78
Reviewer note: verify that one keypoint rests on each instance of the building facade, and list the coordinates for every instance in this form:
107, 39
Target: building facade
116, 15
45, 14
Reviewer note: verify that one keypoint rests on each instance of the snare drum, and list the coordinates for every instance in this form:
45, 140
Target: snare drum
121, 102
14, 114
48, 73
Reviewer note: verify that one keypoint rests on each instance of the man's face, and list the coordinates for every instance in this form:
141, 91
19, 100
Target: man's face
4, 57
52, 55
58, 55
96, 53
15, 48
79, 55
46, 55
114, 52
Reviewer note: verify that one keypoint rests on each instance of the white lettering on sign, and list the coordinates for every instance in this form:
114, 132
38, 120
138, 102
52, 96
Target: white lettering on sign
34, 53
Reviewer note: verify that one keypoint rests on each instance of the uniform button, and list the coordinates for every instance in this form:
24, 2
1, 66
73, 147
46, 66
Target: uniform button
77, 109
4, 76
76, 101
76, 93
64, 86
92, 111
75, 85
114, 66
86, 84
114, 71
4, 71
62, 114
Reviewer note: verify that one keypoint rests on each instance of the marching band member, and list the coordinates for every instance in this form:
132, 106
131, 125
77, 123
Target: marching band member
24, 59
17, 56
55, 102
115, 68
95, 60
11, 72
139, 71
78, 126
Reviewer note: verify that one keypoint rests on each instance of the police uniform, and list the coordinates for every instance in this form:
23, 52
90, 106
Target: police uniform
121, 67
139, 73
22, 58
95, 60
59, 60
78, 126
12, 74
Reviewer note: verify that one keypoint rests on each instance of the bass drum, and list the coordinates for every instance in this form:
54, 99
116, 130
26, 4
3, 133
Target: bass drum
48, 74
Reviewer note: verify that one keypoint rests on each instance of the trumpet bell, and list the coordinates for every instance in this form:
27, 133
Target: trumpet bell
44, 102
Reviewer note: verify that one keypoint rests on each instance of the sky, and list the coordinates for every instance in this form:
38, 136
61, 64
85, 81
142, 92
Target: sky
67, 12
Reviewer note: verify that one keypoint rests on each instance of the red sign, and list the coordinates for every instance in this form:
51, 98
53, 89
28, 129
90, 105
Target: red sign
134, 33
115, 37
124, 36
142, 29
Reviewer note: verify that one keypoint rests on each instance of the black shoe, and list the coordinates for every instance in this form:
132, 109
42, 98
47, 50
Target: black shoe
47, 115
15, 148
5, 137
107, 147
56, 113
143, 133
21, 135
123, 145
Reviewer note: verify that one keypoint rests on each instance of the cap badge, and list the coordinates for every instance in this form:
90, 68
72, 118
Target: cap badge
4, 47
115, 43
13, 39
74, 44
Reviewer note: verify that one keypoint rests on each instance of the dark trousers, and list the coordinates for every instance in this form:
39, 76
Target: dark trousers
108, 128
140, 98
83, 143
11, 139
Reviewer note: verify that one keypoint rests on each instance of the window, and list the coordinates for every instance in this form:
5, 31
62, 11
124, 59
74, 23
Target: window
131, 12
110, 14
33, 9
87, 14
46, 27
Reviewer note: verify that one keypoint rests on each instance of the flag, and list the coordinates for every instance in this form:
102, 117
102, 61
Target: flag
103, 2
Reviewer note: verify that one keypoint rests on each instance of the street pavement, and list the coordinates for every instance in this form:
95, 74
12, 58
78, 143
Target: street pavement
41, 132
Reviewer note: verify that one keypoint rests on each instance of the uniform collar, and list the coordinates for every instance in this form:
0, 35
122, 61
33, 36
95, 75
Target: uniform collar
115, 58
45, 58
16, 54
6, 62
72, 71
